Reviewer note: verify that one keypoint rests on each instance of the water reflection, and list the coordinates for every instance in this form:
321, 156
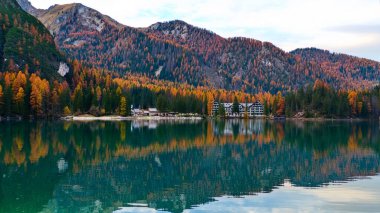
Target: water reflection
100, 166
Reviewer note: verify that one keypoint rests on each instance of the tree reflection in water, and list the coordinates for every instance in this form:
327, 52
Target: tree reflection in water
71, 167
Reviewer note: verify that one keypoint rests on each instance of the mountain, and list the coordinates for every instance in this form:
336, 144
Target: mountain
180, 52
25, 42
267, 63
239, 62
349, 71
98, 40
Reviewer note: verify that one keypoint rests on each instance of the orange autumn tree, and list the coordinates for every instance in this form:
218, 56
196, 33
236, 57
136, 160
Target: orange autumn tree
280, 108
210, 103
19, 82
40, 90
36, 100
352, 101
19, 101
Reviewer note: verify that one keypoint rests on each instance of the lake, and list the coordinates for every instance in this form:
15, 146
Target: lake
190, 166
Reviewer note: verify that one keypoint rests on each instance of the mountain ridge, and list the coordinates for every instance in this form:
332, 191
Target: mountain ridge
181, 52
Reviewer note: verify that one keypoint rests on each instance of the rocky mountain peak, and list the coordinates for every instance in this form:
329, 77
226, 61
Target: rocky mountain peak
176, 29
29, 8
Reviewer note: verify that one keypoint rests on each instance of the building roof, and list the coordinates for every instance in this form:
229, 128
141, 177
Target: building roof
227, 105
152, 110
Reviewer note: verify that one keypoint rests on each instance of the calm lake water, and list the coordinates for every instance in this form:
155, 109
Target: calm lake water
199, 166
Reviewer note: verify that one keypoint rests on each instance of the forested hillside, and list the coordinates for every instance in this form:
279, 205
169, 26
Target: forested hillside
240, 62
98, 41
180, 52
266, 66
99, 92
348, 71
25, 43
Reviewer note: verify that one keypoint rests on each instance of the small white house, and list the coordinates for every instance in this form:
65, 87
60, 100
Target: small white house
153, 112
137, 112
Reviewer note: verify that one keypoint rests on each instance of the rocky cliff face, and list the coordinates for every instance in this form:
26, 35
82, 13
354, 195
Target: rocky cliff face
57, 17
28, 7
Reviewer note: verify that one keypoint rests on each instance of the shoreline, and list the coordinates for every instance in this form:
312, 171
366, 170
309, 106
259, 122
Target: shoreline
331, 119
129, 118
163, 118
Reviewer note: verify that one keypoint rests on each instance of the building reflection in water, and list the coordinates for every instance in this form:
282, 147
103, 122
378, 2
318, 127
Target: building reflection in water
236, 126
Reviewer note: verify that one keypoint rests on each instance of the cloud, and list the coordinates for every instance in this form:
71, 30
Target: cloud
369, 50
375, 29
288, 24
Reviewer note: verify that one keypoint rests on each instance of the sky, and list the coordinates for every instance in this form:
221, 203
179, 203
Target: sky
343, 26
356, 196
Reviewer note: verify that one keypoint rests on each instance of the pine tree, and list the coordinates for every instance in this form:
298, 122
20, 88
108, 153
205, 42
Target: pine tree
78, 99
27, 97
36, 101
54, 101
66, 111
235, 105
1, 100
204, 106
162, 103
221, 110
266, 108
64, 99
98, 95
123, 106
246, 116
